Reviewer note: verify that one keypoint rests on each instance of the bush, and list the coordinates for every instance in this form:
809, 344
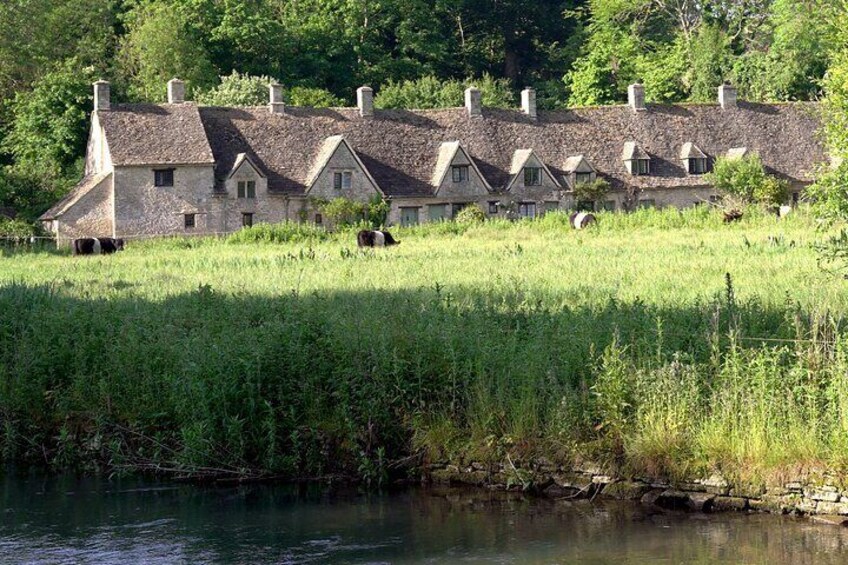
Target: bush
591, 191
279, 233
471, 214
430, 92
746, 179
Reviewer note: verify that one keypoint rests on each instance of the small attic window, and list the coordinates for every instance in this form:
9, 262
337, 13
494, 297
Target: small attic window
640, 167
532, 176
247, 189
343, 180
697, 165
459, 173
582, 178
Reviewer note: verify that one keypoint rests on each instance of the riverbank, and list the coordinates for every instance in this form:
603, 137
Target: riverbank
661, 344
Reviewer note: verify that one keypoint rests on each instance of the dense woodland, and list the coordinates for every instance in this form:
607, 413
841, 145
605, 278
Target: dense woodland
415, 53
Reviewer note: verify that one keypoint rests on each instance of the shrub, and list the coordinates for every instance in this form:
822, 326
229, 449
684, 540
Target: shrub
283, 232
342, 211
746, 179
591, 191
471, 214
430, 92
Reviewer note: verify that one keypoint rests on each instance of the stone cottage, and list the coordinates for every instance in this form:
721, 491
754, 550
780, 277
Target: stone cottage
180, 168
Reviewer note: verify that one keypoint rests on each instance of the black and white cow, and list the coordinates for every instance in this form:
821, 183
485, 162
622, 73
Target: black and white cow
373, 238
581, 220
97, 245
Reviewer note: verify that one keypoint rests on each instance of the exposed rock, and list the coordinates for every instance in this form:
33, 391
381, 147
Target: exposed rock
822, 494
806, 506
477, 466
825, 507
650, 497
830, 519
700, 501
726, 503
794, 487
692, 487
601, 479
748, 491
672, 499
625, 490
573, 480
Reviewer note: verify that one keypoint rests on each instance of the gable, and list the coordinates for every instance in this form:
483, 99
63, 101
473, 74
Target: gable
452, 154
245, 167
578, 164
691, 151
524, 158
337, 156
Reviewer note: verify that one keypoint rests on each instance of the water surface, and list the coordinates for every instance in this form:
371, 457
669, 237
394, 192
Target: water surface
91, 520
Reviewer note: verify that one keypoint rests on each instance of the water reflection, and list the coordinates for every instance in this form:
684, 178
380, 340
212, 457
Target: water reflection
90, 520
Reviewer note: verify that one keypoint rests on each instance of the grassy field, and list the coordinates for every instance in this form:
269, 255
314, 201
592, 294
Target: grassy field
667, 343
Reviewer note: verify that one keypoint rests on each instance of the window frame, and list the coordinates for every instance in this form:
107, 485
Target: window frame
586, 177
319, 219
640, 165
342, 180
189, 221
698, 165
532, 176
247, 219
459, 173
163, 178
493, 207
524, 207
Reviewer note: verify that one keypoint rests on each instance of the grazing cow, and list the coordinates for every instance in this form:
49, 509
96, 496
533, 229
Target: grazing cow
97, 245
373, 238
581, 220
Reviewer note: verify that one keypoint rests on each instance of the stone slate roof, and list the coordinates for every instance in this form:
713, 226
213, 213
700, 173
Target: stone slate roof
401, 148
155, 134
83, 187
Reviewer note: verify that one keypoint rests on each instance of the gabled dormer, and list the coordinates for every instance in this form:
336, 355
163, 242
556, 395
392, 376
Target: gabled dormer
339, 172
456, 174
246, 179
694, 160
578, 170
530, 172
636, 160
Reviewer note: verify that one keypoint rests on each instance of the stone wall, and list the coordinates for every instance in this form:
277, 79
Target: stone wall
823, 496
90, 216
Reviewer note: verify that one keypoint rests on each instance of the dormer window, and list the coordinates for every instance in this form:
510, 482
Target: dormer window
641, 167
163, 177
343, 180
532, 176
636, 159
460, 173
246, 189
582, 178
694, 160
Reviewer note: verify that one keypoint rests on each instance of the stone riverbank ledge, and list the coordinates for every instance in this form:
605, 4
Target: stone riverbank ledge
822, 497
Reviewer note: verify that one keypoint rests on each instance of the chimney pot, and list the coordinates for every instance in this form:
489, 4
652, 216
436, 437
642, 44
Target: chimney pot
727, 96
636, 97
102, 95
275, 98
528, 102
473, 102
176, 91
365, 101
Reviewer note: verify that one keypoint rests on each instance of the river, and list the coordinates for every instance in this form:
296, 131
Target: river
96, 520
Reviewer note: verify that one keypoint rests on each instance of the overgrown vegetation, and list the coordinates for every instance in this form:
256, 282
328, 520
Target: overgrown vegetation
744, 180
285, 350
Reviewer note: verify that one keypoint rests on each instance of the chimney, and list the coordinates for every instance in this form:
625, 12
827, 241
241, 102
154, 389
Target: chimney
528, 102
727, 96
176, 91
275, 98
102, 95
365, 101
636, 97
473, 102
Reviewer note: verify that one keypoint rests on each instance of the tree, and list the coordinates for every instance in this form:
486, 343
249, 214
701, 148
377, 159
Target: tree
160, 45
246, 90
745, 179
430, 92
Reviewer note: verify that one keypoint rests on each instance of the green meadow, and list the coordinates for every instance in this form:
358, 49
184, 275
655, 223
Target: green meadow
661, 342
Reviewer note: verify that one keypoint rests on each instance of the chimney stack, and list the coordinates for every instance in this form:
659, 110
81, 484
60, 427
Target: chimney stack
102, 95
727, 96
636, 97
176, 91
473, 102
365, 101
528, 102
275, 98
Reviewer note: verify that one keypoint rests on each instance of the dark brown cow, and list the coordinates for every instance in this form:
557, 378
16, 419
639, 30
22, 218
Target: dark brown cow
97, 245
375, 238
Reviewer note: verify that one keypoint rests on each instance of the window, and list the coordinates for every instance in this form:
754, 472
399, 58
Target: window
436, 212
532, 176
551, 206
697, 166
460, 173
247, 219
163, 177
641, 166
319, 219
796, 197
342, 180
493, 207
580, 178
457, 207
188, 221
247, 189
527, 209
408, 216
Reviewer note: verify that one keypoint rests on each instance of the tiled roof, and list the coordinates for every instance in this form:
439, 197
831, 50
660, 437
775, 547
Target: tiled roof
401, 148
155, 134
83, 187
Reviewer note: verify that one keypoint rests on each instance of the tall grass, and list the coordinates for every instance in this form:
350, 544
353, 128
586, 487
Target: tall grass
286, 350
